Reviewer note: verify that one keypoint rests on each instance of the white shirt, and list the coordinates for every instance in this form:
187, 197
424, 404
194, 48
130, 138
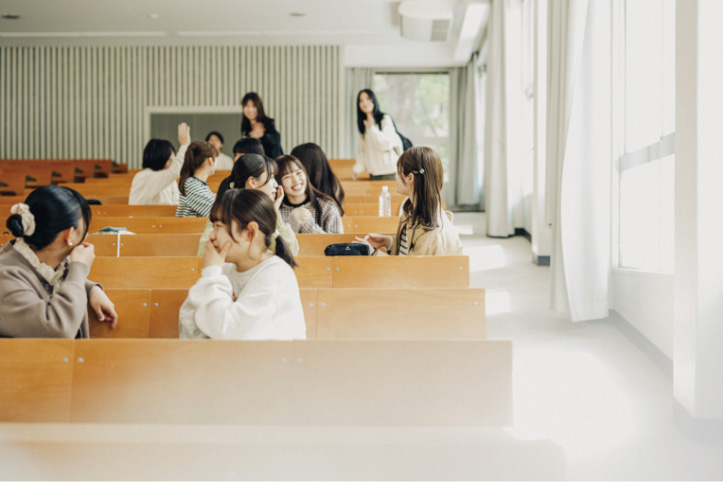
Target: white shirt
379, 149
224, 163
267, 306
158, 187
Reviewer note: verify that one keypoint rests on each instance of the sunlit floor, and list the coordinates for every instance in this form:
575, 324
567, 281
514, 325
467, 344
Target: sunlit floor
585, 386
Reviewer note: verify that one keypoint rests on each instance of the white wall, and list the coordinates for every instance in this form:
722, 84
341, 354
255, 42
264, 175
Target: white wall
645, 300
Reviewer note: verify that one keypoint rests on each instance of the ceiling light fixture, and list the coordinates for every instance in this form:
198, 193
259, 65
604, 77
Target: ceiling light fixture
297, 14
10, 16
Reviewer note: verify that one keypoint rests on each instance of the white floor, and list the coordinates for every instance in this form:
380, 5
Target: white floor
585, 386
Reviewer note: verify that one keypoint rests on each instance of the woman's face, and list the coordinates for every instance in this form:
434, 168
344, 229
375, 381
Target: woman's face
365, 103
219, 237
250, 110
294, 181
269, 188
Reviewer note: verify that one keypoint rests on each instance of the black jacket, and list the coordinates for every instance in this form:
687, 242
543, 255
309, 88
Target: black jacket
271, 140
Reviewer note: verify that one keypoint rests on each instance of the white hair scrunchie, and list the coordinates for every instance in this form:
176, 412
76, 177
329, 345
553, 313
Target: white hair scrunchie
275, 234
28, 220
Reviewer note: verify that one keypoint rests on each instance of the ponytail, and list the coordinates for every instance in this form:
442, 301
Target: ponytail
196, 155
283, 252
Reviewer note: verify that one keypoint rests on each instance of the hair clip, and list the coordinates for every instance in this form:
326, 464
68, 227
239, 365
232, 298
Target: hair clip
421, 171
231, 184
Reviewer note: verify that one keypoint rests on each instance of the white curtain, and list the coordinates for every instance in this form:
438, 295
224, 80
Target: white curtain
504, 149
464, 187
578, 156
356, 79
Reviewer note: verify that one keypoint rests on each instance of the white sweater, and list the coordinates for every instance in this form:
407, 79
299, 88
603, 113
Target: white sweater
158, 187
224, 162
267, 306
379, 149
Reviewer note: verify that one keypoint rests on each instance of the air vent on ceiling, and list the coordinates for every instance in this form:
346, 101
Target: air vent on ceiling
426, 20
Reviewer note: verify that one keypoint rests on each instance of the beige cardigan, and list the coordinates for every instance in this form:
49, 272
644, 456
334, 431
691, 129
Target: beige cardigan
440, 241
30, 309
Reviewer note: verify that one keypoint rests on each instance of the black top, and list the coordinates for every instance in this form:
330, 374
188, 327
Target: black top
271, 140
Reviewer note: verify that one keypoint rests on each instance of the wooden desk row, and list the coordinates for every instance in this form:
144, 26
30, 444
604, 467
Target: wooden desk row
313, 272
187, 244
440, 313
302, 383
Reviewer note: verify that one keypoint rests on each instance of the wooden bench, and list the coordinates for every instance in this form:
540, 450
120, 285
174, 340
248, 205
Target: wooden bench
420, 383
134, 211
150, 225
132, 272
367, 209
398, 314
343, 169
252, 452
370, 224
12, 183
66, 170
187, 244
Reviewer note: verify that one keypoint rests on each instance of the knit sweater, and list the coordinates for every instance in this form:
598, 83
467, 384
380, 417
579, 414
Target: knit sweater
31, 307
330, 217
267, 304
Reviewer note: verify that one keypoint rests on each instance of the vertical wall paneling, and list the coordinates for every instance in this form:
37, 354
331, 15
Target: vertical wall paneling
84, 102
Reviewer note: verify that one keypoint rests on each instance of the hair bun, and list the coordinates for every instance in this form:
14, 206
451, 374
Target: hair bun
15, 225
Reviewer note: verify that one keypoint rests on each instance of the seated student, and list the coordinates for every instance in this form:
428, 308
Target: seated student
156, 183
196, 197
246, 291
320, 173
254, 171
223, 162
247, 145
44, 290
305, 208
424, 228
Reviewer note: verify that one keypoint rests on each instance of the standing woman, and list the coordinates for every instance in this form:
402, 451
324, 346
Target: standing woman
424, 228
379, 144
196, 197
320, 174
44, 290
255, 123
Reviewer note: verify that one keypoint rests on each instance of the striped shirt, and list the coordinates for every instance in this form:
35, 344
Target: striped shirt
197, 201
330, 217
403, 242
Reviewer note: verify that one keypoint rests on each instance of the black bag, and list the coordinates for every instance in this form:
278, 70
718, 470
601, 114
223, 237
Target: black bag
406, 143
347, 249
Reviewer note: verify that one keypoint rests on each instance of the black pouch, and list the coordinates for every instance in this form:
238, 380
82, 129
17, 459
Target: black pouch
347, 249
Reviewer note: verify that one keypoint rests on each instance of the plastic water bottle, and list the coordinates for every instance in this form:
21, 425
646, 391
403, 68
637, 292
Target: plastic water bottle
385, 202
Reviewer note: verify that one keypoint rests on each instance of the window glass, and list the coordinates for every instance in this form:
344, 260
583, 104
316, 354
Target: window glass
419, 105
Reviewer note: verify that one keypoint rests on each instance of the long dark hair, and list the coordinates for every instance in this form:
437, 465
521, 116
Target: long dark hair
360, 116
156, 154
246, 205
55, 208
246, 166
196, 155
260, 113
320, 174
283, 164
427, 168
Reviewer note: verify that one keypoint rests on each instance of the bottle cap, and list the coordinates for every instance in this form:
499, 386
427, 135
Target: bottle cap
385, 188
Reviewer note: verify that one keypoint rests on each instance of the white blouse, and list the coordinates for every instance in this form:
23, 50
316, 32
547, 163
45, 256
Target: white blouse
379, 149
151, 187
267, 305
